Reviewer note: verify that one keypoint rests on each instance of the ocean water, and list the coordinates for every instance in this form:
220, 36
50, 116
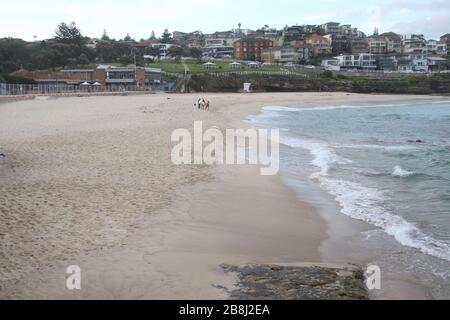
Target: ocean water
368, 160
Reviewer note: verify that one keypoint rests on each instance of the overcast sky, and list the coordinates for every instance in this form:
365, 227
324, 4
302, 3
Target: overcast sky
28, 18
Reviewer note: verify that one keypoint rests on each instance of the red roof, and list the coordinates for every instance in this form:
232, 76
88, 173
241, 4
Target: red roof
316, 37
145, 43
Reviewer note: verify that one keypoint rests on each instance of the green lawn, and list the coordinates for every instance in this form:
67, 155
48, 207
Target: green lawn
198, 68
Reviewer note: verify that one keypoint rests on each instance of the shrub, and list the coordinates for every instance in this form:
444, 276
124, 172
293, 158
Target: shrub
18, 80
327, 74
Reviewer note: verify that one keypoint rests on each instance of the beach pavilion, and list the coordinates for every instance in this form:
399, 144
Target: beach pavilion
209, 65
253, 65
235, 65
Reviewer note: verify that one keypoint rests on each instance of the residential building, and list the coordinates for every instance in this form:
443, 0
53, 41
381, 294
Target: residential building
178, 37
271, 32
320, 45
304, 50
281, 55
251, 48
357, 45
368, 61
195, 39
289, 55
365, 61
309, 28
413, 62
437, 64
348, 31
413, 43
331, 64
195, 43
191, 40
332, 28
340, 44
142, 46
217, 48
393, 42
419, 60
292, 33
437, 47
163, 49
271, 55
386, 62
419, 64
215, 42
404, 63
349, 61
377, 44
442, 48
415, 47
446, 39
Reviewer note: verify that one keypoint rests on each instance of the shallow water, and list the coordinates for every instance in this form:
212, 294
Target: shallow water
368, 159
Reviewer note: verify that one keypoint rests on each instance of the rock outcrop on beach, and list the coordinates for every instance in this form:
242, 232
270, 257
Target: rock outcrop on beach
273, 282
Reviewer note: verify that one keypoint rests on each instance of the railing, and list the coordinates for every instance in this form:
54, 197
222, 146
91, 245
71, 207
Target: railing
62, 89
245, 73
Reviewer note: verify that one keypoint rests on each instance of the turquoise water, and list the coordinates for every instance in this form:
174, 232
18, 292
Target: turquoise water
369, 160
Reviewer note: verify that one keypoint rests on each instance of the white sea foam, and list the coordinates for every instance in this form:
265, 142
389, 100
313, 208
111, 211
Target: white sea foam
292, 109
359, 201
441, 102
366, 204
323, 155
402, 173
319, 108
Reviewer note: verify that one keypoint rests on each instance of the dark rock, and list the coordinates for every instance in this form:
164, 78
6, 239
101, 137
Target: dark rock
2, 155
416, 141
269, 282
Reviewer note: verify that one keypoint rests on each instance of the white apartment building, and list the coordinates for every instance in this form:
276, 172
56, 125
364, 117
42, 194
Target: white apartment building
357, 61
210, 43
163, 49
414, 42
437, 46
332, 28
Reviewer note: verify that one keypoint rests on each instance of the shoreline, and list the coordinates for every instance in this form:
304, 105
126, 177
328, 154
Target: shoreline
175, 249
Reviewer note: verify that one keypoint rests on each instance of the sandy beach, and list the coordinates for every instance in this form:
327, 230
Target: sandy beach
90, 182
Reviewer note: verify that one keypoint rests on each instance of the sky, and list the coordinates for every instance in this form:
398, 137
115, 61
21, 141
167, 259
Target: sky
30, 19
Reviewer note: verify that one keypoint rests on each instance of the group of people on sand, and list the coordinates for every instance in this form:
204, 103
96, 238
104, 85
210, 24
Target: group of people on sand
203, 104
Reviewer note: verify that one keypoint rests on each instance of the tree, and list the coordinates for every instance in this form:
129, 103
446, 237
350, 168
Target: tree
176, 51
83, 59
14, 54
128, 38
69, 34
196, 53
153, 35
151, 51
166, 36
126, 59
71, 62
105, 36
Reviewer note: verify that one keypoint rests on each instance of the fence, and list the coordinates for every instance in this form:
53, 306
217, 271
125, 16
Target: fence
250, 73
7, 89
